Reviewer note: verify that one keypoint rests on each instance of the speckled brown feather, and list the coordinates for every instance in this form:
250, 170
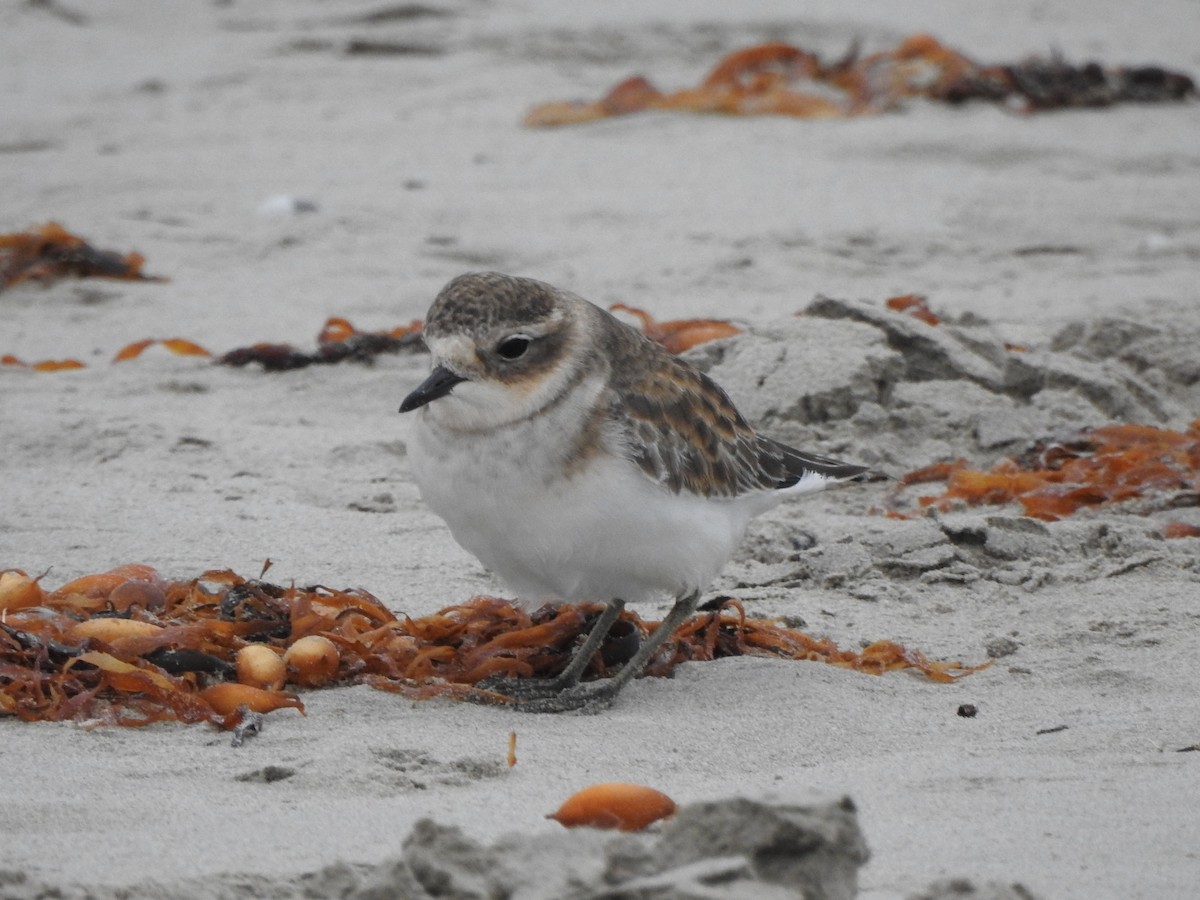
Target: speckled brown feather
683, 431
483, 301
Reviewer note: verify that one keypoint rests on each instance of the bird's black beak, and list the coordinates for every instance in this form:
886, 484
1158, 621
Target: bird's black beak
440, 382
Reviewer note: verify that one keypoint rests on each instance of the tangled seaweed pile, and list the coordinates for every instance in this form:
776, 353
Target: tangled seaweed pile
1055, 478
128, 647
49, 252
338, 341
783, 80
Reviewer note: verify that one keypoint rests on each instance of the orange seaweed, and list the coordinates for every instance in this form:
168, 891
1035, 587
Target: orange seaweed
45, 365
337, 341
781, 79
129, 351
178, 346
679, 335
49, 252
1097, 467
619, 805
1173, 530
760, 67
73, 654
915, 306
112, 630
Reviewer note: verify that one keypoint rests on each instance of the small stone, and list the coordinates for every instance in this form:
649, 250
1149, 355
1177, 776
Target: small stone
999, 647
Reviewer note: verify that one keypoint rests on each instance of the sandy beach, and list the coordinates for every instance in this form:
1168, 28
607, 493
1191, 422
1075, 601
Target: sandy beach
284, 162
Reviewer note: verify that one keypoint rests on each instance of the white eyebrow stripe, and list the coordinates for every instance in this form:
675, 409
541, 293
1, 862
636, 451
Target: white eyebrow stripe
452, 348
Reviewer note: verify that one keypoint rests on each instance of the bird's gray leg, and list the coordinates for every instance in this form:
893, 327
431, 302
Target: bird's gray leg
534, 688
594, 696
569, 677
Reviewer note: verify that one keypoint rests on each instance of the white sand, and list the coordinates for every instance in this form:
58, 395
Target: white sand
164, 127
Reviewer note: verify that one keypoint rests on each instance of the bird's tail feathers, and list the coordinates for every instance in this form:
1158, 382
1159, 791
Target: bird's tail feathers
812, 472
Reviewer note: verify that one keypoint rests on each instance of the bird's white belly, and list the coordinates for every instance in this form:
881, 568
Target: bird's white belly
606, 532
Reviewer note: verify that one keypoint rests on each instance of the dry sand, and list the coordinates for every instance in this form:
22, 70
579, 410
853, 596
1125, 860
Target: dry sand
166, 127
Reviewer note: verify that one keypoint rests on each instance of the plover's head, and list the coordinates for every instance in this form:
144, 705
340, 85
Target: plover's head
503, 348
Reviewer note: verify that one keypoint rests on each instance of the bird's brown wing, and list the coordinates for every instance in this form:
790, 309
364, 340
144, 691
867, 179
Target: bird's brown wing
683, 431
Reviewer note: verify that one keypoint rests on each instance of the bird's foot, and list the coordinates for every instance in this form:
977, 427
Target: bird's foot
518, 690
587, 698
613, 641
552, 695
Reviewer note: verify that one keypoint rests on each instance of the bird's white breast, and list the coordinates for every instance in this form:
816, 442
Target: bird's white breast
605, 531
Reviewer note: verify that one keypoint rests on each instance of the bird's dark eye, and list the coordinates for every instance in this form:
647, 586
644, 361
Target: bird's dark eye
513, 347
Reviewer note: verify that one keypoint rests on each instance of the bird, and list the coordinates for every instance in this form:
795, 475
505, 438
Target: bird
579, 460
